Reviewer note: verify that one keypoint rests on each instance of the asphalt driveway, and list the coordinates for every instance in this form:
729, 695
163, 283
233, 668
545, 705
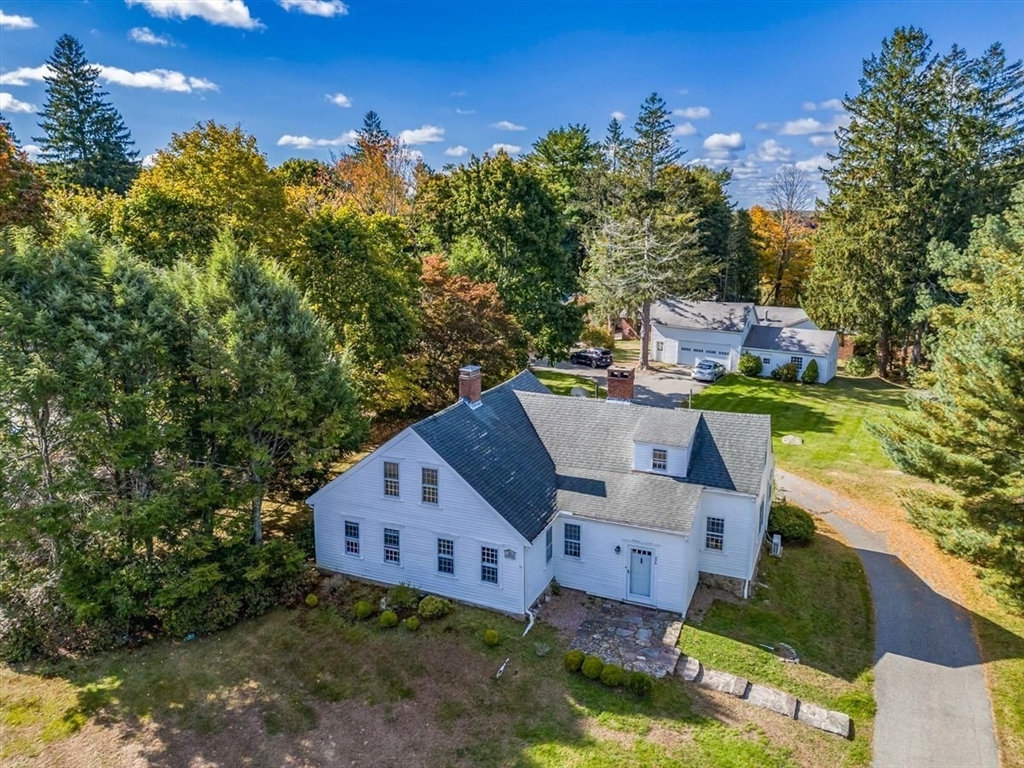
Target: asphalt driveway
667, 389
933, 707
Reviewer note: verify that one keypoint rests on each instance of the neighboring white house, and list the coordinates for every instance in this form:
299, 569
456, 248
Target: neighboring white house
489, 500
686, 332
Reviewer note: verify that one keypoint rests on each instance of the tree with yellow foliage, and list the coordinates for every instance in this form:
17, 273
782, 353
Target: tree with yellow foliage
782, 238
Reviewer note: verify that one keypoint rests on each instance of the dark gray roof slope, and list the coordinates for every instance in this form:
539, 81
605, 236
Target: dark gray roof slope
664, 426
496, 450
784, 317
730, 450
795, 341
702, 315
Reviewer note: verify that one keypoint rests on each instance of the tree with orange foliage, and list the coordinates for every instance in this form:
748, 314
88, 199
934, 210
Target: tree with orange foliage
22, 186
782, 238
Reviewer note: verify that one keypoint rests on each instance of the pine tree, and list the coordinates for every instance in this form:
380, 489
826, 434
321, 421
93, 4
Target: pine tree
739, 277
86, 142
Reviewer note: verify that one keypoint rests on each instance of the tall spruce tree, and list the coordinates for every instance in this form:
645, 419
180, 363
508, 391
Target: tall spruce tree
738, 276
86, 142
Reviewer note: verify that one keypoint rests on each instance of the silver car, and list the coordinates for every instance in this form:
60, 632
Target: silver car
707, 370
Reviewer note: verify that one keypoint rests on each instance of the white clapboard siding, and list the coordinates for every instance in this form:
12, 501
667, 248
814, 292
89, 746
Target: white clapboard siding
737, 555
538, 572
460, 515
601, 571
677, 459
681, 344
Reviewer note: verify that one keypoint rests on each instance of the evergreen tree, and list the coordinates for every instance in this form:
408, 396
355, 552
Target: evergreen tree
372, 134
86, 142
738, 277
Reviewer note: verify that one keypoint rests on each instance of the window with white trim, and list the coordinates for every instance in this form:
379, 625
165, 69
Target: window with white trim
659, 459
799, 361
766, 360
391, 487
549, 544
392, 546
446, 556
489, 565
429, 495
351, 538
714, 538
572, 540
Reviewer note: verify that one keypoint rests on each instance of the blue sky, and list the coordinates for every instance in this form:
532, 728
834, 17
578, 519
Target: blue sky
753, 84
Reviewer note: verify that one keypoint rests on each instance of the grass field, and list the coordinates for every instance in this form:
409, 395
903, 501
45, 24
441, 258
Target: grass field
562, 383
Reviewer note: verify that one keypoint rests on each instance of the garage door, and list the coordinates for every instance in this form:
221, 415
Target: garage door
691, 354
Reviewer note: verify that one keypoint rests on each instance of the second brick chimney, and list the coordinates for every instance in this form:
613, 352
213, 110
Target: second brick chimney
469, 385
620, 383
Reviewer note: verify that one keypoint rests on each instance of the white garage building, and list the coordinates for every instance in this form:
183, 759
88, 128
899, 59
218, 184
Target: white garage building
686, 332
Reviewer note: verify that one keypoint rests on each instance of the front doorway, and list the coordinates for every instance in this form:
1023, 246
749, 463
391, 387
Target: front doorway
641, 570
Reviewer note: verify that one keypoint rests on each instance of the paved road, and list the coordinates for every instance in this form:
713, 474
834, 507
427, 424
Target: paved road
933, 707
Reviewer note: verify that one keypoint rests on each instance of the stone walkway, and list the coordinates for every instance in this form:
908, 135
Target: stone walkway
637, 639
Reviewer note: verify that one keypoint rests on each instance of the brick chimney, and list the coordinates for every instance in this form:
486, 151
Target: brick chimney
620, 383
469, 385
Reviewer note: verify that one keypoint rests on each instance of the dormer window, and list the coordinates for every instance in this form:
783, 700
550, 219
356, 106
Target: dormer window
659, 460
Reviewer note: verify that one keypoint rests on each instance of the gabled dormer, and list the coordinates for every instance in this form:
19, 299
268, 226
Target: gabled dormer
662, 443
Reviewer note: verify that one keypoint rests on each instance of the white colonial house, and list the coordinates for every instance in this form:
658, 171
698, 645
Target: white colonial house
686, 332
489, 500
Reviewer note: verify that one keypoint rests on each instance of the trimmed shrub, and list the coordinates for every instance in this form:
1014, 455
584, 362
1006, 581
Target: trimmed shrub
433, 607
363, 610
860, 366
792, 523
785, 372
596, 336
403, 596
750, 365
574, 660
613, 675
412, 623
388, 619
556, 588
810, 374
592, 667
491, 637
312, 600
640, 684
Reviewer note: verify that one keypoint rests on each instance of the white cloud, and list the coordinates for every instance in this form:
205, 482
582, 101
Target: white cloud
304, 142
16, 22
824, 140
10, 104
772, 152
339, 99
457, 94
812, 164
620, 116
745, 169
414, 154
506, 125
809, 106
833, 105
511, 149
325, 8
693, 113
684, 129
24, 75
465, 111
719, 142
149, 161
32, 150
458, 151
225, 13
806, 126
147, 36
427, 134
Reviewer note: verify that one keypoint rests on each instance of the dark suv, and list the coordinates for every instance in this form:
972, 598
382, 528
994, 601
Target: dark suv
595, 357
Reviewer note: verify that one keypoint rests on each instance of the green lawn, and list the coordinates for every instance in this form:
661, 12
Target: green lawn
817, 600
562, 383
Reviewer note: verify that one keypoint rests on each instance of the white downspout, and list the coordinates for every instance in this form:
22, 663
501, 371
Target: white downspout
529, 626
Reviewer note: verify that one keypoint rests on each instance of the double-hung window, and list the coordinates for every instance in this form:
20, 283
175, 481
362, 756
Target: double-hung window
391, 487
351, 538
392, 546
549, 544
429, 494
446, 556
659, 460
714, 538
489, 565
572, 540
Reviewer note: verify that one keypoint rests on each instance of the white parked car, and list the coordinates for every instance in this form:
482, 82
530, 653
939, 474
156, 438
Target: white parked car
707, 370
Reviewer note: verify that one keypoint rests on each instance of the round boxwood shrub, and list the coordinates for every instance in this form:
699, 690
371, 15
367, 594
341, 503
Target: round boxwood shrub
574, 660
786, 372
363, 610
491, 637
312, 600
388, 619
433, 607
860, 366
613, 675
640, 684
592, 667
792, 523
810, 374
750, 365
412, 623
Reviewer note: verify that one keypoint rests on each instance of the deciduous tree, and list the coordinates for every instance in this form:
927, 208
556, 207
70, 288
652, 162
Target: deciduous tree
22, 185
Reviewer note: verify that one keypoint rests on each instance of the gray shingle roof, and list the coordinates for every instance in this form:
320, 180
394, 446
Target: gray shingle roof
702, 315
795, 341
784, 317
530, 453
